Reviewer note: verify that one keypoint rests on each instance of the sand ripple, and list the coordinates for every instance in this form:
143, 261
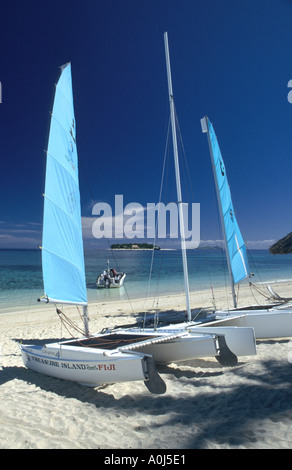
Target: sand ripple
205, 406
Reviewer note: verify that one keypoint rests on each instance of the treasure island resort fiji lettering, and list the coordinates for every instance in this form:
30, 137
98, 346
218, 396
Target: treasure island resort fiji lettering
153, 459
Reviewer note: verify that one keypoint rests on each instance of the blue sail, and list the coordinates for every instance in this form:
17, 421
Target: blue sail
235, 244
62, 245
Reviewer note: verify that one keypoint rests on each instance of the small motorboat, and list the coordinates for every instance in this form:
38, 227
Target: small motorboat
110, 278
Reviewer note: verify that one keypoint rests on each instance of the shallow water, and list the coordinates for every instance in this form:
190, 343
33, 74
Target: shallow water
21, 275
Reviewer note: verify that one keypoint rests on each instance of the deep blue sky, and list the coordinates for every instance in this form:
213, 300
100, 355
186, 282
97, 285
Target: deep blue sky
231, 60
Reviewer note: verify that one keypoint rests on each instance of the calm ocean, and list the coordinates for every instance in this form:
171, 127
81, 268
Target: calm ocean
21, 275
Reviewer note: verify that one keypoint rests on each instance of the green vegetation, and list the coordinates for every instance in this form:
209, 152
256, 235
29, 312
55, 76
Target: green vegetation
134, 246
282, 246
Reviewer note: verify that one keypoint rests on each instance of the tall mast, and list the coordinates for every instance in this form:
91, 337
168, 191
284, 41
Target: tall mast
177, 177
85, 320
205, 128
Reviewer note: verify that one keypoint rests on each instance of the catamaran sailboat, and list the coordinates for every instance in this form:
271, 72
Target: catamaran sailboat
81, 360
269, 321
112, 356
240, 341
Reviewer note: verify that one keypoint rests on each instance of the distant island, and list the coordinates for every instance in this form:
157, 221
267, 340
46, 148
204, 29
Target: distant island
210, 247
134, 246
282, 246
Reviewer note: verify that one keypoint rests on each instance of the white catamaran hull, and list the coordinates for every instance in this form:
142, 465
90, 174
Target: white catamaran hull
176, 343
241, 341
267, 324
129, 355
85, 365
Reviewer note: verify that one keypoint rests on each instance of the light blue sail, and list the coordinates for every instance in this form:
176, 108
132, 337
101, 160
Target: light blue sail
234, 241
62, 250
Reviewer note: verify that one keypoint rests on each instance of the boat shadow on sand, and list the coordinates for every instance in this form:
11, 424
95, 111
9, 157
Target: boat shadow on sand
165, 317
232, 414
211, 368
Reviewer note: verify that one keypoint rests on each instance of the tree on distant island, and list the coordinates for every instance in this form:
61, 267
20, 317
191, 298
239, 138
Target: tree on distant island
282, 246
134, 246
211, 247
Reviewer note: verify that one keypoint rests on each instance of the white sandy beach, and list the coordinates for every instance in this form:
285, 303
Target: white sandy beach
205, 406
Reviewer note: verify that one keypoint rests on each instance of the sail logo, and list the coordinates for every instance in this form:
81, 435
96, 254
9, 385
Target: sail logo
153, 221
72, 131
72, 202
70, 157
289, 97
222, 168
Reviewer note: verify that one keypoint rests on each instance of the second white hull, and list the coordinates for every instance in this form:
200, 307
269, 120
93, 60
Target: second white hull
191, 343
267, 324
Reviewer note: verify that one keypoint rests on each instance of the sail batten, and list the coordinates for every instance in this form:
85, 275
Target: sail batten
67, 260
235, 246
62, 246
49, 152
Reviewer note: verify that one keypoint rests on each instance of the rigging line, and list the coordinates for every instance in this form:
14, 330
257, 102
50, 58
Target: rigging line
220, 235
223, 252
167, 199
259, 291
248, 251
156, 295
252, 293
156, 221
186, 175
118, 269
186, 171
67, 322
188, 180
84, 174
251, 285
185, 167
162, 259
125, 287
211, 286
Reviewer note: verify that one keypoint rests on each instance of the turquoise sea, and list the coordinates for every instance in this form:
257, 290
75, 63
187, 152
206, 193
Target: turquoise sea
21, 274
